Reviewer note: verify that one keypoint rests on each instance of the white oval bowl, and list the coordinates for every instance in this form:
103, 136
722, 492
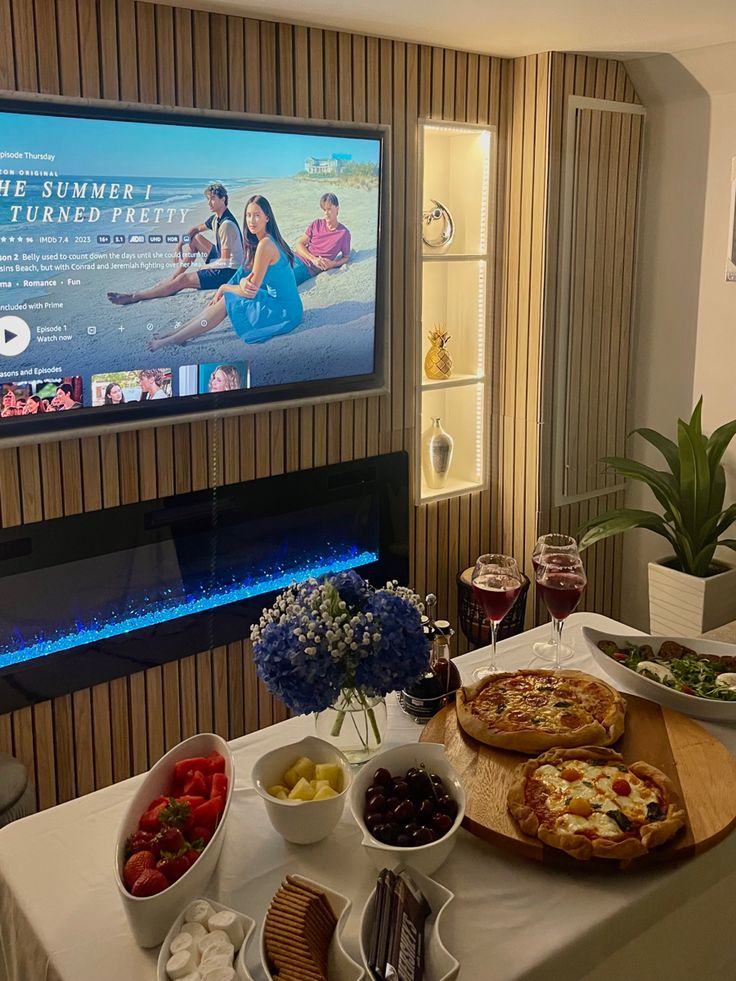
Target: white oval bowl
340, 965
439, 964
249, 926
693, 705
301, 822
151, 916
424, 858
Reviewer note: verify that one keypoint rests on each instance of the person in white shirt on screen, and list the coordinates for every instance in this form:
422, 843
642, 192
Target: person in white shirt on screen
222, 257
151, 381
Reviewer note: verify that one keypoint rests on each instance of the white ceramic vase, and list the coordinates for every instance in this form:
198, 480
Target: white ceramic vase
437, 449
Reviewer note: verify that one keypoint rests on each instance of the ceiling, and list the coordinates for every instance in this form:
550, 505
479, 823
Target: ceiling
509, 28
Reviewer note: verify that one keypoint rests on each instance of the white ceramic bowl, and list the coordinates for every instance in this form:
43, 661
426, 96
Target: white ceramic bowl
301, 822
692, 705
248, 924
439, 964
424, 858
340, 965
151, 916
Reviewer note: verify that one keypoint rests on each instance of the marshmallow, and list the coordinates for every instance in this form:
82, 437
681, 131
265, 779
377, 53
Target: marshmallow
197, 930
230, 923
221, 948
208, 967
217, 936
180, 964
199, 912
185, 941
220, 974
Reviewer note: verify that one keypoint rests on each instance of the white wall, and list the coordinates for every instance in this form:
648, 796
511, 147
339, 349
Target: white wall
685, 339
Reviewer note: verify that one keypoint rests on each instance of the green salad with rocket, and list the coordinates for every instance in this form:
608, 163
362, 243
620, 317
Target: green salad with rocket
678, 667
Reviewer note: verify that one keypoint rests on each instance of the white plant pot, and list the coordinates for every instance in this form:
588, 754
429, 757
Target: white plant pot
687, 606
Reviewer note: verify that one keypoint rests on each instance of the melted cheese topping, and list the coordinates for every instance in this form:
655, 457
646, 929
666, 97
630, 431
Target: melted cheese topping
528, 701
554, 798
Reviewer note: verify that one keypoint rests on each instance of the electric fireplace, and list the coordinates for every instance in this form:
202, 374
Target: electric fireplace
96, 596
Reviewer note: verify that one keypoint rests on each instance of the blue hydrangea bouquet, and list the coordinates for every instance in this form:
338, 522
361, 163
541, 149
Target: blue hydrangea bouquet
323, 637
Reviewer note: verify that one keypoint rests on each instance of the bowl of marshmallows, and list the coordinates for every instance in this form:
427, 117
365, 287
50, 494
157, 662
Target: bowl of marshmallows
207, 942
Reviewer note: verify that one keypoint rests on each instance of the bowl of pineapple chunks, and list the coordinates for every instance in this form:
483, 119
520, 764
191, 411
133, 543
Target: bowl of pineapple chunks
304, 786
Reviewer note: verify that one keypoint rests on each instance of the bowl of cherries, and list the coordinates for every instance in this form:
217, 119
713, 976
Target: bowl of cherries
409, 804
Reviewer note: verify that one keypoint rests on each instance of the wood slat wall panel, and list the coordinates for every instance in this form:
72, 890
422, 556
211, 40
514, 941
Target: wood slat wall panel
610, 302
107, 733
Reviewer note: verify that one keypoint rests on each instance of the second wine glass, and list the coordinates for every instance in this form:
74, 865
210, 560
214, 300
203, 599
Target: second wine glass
561, 582
552, 544
496, 583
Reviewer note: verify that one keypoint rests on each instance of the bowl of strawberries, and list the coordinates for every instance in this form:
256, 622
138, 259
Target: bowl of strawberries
171, 836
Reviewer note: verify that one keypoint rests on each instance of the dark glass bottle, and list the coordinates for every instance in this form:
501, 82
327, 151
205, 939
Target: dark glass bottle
437, 686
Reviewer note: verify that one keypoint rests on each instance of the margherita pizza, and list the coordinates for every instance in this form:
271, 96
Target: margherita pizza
590, 804
530, 711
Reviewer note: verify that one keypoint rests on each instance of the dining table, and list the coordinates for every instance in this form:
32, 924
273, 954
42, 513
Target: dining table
511, 919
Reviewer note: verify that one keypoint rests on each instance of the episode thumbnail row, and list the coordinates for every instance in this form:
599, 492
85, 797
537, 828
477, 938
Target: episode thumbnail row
23, 397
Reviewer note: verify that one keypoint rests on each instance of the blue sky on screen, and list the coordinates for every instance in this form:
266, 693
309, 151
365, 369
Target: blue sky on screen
114, 148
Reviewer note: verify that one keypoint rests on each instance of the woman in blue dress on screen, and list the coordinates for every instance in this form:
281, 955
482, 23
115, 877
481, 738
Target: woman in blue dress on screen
261, 299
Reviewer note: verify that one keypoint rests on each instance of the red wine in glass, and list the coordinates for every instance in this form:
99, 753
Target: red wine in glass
496, 594
561, 591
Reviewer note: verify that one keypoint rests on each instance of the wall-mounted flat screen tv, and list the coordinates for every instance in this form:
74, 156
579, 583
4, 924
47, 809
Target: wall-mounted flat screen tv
156, 263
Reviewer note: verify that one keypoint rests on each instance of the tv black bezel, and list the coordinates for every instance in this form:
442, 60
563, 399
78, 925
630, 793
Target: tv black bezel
186, 408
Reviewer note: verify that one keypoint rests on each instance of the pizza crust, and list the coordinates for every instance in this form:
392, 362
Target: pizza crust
579, 846
606, 728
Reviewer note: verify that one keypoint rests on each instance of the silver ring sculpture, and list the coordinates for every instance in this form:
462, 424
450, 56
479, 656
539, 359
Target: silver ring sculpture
445, 230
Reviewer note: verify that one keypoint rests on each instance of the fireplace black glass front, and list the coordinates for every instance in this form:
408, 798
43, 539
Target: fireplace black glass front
91, 597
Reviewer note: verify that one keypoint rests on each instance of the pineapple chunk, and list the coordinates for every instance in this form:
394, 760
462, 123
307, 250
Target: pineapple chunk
278, 791
319, 784
330, 772
304, 767
303, 790
324, 792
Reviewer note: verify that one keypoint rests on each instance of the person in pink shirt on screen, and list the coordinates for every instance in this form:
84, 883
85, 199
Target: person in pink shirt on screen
324, 245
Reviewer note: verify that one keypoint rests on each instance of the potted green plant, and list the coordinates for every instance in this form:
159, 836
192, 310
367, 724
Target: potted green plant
689, 591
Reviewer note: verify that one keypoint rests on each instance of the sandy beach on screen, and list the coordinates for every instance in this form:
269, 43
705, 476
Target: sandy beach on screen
335, 336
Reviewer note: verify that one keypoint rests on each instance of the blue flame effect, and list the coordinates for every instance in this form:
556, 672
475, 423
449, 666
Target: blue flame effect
191, 603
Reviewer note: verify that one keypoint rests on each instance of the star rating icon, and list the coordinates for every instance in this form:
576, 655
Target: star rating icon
2, 238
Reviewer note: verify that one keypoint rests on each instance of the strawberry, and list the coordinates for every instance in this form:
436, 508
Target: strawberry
173, 866
139, 841
207, 814
196, 786
149, 882
200, 834
175, 813
154, 803
136, 864
192, 855
219, 785
150, 820
168, 840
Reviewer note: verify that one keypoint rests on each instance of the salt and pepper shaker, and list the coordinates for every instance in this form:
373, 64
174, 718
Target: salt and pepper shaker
438, 684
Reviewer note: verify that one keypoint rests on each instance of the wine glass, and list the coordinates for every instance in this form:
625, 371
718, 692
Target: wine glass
553, 544
561, 581
496, 583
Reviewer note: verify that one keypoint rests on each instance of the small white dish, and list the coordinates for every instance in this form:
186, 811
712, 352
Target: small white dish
151, 916
693, 705
439, 964
432, 756
249, 926
340, 965
301, 822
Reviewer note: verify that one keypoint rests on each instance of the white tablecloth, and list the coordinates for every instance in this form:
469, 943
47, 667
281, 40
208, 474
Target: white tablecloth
512, 919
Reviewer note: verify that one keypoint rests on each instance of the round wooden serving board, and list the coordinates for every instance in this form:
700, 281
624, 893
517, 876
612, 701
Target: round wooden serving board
700, 767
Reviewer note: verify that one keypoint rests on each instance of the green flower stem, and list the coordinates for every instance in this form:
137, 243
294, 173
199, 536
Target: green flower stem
349, 695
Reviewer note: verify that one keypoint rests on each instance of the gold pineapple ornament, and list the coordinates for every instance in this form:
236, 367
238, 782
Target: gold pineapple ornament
438, 362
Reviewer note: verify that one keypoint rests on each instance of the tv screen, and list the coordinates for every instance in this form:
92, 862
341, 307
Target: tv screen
157, 263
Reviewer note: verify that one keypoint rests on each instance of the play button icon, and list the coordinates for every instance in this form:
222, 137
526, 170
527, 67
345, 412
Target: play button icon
15, 336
